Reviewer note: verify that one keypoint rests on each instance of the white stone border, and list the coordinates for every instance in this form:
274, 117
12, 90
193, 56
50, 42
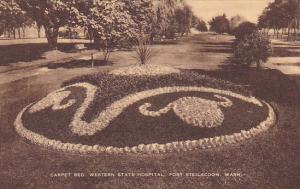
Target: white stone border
142, 148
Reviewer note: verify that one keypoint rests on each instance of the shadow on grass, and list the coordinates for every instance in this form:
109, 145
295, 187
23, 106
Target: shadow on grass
78, 64
215, 47
210, 49
166, 42
268, 84
287, 64
29, 52
212, 44
285, 52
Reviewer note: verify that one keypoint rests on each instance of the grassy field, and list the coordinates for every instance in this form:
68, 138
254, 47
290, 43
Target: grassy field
270, 161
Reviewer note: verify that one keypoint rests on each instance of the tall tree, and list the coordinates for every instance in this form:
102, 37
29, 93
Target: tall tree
245, 28
163, 17
281, 14
183, 18
111, 24
199, 24
12, 18
235, 21
219, 24
51, 14
141, 12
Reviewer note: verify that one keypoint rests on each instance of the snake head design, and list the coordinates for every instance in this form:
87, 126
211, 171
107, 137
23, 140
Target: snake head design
194, 111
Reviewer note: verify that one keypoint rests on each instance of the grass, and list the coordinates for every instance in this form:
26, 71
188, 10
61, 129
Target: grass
28, 52
270, 161
286, 52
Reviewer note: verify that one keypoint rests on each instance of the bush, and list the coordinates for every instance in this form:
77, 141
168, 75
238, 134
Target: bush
143, 51
243, 29
252, 48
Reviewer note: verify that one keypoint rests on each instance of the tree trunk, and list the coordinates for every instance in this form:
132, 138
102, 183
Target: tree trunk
14, 32
39, 31
257, 65
289, 31
295, 30
268, 30
52, 36
19, 33
23, 30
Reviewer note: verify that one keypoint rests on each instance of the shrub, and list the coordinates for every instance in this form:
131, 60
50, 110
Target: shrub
252, 48
243, 29
144, 53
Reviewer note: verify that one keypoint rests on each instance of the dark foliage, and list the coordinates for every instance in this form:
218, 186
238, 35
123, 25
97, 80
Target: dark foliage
252, 48
245, 28
220, 24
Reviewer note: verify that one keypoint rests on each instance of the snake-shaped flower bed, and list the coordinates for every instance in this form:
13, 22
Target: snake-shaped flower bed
171, 112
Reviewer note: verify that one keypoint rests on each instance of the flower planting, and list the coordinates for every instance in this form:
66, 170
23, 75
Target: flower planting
158, 114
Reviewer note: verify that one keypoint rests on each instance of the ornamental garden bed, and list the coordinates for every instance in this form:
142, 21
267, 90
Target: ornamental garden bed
125, 111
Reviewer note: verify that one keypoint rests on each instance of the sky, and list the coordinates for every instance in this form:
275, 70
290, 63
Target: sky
249, 9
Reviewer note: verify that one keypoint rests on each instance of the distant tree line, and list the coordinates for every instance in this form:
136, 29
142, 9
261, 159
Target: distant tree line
250, 46
221, 24
283, 17
107, 23
13, 20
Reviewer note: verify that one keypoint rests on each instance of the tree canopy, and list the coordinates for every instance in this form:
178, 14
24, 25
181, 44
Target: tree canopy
281, 14
51, 14
111, 24
12, 17
235, 21
199, 24
219, 24
243, 29
123, 18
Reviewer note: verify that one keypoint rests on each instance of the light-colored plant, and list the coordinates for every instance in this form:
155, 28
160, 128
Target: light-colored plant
143, 52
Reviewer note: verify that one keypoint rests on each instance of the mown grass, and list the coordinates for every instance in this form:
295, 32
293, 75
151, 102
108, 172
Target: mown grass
267, 161
270, 161
28, 52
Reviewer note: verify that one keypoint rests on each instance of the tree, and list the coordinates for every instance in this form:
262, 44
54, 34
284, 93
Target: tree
252, 48
219, 24
111, 24
292, 9
163, 18
243, 29
12, 18
281, 14
263, 21
199, 24
51, 14
235, 21
183, 19
141, 12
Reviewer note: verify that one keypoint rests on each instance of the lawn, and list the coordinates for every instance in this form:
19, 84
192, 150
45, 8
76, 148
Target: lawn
270, 160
